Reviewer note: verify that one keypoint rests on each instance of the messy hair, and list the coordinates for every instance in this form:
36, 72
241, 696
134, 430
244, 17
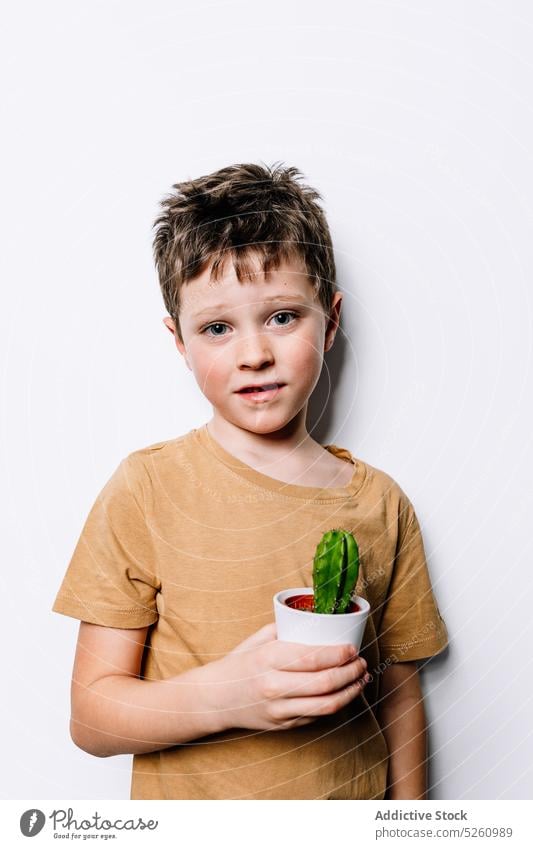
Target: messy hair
235, 213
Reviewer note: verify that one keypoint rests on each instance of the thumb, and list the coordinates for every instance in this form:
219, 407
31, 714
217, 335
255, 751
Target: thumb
266, 634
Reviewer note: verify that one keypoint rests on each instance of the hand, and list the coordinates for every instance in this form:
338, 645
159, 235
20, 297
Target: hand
269, 684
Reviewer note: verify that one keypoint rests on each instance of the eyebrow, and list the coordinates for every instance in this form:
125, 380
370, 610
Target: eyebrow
221, 307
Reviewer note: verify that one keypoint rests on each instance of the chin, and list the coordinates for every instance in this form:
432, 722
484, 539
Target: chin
260, 422
264, 429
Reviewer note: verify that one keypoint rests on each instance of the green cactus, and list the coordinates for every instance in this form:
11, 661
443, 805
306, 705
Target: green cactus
335, 571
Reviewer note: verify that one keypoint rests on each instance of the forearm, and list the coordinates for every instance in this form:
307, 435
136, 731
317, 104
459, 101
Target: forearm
403, 722
120, 714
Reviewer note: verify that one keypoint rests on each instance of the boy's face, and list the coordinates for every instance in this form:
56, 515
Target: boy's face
263, 331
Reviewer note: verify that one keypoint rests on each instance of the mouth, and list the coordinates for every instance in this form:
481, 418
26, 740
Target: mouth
261, 392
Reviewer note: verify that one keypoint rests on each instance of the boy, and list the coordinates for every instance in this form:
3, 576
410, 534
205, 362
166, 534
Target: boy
177, 660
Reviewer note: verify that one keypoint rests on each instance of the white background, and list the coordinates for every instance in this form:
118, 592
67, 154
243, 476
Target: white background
414, 121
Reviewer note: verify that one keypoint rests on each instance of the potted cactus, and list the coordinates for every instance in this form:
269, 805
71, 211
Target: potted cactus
329, 612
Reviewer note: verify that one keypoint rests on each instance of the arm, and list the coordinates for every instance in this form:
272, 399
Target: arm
115, 712
263, 683
401, 716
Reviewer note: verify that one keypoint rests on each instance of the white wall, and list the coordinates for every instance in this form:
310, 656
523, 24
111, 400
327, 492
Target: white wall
415, 122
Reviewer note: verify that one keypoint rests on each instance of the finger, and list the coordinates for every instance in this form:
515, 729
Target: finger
293, 684
316, 706
295, 657
296, 723
266, 634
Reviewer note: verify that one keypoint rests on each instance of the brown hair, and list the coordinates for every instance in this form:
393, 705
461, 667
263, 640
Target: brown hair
237, 211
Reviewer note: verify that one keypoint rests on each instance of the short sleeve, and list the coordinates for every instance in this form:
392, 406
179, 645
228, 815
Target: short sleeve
111, 578
411, 626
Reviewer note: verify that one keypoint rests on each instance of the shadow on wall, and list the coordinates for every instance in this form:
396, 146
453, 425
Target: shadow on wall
338, 358
438, 668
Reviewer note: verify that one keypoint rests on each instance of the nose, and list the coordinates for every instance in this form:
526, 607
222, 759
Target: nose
254, 351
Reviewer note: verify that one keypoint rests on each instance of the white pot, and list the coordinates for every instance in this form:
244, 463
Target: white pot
313, 629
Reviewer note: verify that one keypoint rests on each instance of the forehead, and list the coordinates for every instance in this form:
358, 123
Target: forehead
203, 294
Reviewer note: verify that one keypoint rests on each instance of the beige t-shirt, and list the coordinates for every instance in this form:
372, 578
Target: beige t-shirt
192, 541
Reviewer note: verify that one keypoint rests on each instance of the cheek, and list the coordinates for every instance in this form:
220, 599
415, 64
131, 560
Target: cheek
306, 353
209, 367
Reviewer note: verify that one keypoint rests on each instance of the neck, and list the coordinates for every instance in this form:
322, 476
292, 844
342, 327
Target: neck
264, 447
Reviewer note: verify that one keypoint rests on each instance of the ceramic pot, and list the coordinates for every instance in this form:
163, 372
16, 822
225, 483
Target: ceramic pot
298, 625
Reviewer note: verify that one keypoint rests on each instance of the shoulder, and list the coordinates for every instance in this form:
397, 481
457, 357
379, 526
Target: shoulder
383, 481
149, 466
386, 495
159, 452
164, 448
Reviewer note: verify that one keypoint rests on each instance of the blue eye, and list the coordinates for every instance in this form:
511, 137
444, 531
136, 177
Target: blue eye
218, 324
293, 315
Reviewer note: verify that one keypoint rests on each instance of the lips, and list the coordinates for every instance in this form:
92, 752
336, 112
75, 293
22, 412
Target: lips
264, 387
260, 393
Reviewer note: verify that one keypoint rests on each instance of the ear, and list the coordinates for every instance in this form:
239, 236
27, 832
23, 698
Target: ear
169, 324
167, 321
333, 321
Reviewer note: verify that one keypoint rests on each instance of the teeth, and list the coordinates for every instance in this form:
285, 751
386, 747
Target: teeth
260, 388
